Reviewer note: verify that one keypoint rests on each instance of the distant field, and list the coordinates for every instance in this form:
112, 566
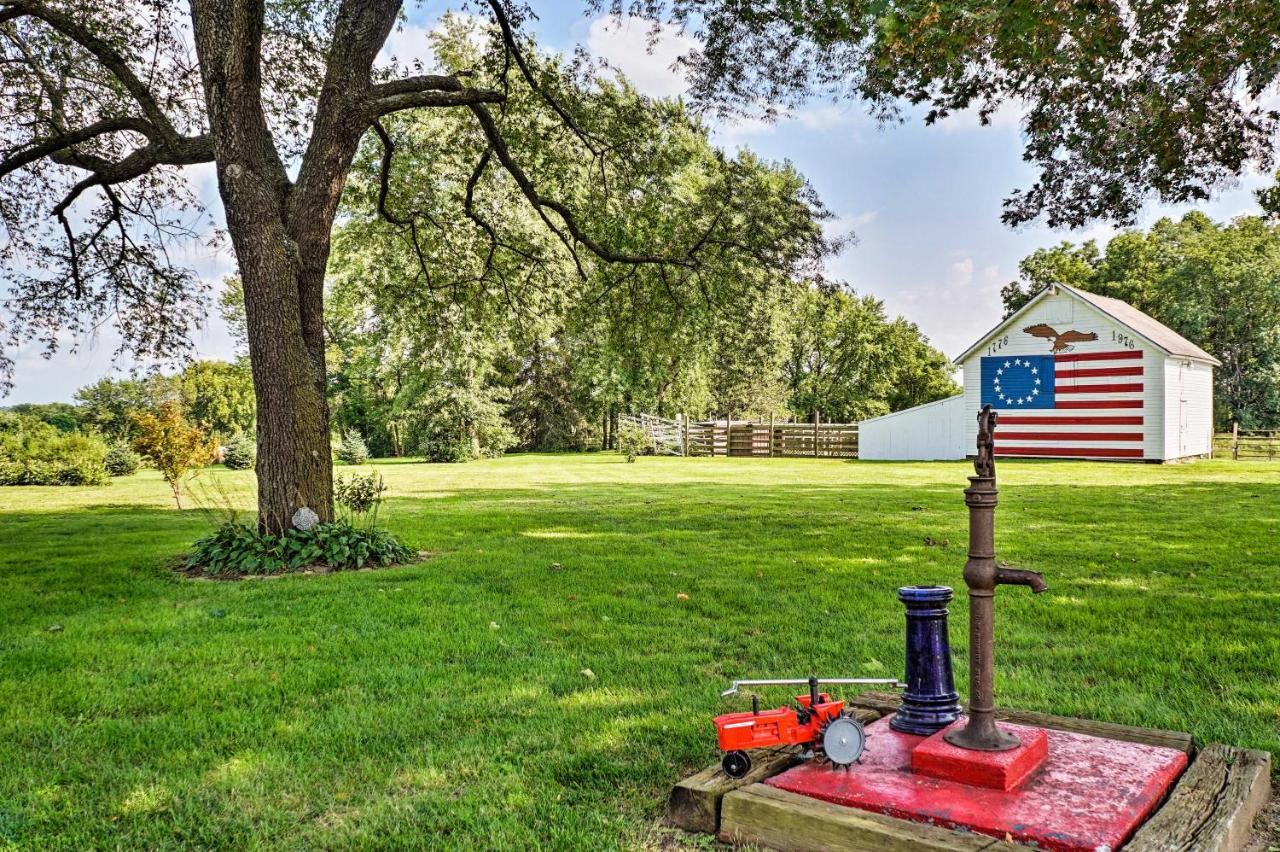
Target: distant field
445, 705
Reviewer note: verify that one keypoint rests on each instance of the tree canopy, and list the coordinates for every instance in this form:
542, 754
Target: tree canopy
1120, 101
445, 342
1218, 285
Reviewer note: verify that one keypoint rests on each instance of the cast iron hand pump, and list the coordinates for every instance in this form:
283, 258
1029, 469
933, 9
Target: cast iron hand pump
982, 575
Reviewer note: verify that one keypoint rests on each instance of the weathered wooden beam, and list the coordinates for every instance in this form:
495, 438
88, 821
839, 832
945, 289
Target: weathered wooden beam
1213, 806
694, 804
886, 703
777, 819
883, 703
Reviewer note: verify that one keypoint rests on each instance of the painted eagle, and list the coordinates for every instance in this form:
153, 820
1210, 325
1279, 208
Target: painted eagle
1061, 341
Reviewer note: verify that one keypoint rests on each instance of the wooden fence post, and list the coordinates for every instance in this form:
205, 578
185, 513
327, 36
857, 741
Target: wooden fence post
770, 434
685, 422
1235, 441
816, 417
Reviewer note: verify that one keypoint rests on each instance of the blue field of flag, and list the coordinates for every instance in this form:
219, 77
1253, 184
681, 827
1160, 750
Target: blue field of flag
1022, 382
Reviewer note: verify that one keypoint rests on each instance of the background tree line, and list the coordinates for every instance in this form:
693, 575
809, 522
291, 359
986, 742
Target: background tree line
174, 422
458, 324
1218, 285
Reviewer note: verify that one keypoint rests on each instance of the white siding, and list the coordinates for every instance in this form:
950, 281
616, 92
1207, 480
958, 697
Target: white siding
931, 431
1064, 311
1188, 401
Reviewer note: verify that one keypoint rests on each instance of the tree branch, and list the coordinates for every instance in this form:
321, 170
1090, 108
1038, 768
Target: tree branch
542, 203
136, 164
103, 52
513, 49
69, 139
426, 91
409, 220
420, 83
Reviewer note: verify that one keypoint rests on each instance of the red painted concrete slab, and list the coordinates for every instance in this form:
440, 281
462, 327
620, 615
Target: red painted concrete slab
1092, 793
999, 770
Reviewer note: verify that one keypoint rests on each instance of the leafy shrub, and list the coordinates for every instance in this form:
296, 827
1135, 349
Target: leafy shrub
446, 442
352, 450
446, 447
240, 453
633, 442
236, 548
35, 453
361, 495
171, 444
495, 438
122, 461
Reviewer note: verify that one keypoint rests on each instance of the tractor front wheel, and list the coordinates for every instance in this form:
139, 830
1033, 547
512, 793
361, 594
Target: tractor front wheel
736, 764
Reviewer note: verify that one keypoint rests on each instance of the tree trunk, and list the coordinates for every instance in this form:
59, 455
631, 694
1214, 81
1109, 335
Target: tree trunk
280, 230
295, 466
283, 302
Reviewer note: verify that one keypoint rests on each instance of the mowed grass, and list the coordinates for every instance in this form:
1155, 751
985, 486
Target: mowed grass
445, 705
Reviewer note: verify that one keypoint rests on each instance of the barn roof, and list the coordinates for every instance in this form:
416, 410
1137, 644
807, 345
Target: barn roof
1159, 334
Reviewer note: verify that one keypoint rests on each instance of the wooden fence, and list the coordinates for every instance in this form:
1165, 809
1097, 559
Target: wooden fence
745, 438
1257, 445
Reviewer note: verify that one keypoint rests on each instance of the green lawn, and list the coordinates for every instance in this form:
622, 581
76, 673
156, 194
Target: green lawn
444, 704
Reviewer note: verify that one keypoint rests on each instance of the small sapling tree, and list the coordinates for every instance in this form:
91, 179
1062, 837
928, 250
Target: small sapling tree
633, 442
239, 453
172, 445
352, 450
121, 460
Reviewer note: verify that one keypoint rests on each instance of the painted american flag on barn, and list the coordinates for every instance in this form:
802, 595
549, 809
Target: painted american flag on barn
1071, 404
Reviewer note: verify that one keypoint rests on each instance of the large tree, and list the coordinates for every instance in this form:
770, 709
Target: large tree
848, 361
564, 339
103, 105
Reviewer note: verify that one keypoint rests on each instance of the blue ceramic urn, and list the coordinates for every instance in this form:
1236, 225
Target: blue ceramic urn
930, 701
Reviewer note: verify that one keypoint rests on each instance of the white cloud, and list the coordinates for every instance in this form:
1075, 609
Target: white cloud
952, 306
959, 274
824, 117
410, 46
644, 56
1100, 232
817, 119
82, 360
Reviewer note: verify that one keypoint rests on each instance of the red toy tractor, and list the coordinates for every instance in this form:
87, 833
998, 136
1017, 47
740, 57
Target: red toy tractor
816, 721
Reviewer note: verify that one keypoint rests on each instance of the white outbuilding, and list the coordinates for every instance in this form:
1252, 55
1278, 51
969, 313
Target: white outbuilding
1072, 375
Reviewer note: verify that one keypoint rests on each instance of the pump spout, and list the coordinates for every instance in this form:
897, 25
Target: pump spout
1021, 577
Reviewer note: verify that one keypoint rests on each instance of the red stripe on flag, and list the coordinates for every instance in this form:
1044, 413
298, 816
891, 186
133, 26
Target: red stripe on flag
1020, 420
1071, 436
1135, 387
1098, 403
1125, 355
1093, 452
1091, 372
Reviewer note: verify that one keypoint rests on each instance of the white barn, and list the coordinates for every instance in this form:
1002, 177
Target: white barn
1072, 375
935, 430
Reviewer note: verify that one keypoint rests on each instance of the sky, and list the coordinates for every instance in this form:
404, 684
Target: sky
923, 202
